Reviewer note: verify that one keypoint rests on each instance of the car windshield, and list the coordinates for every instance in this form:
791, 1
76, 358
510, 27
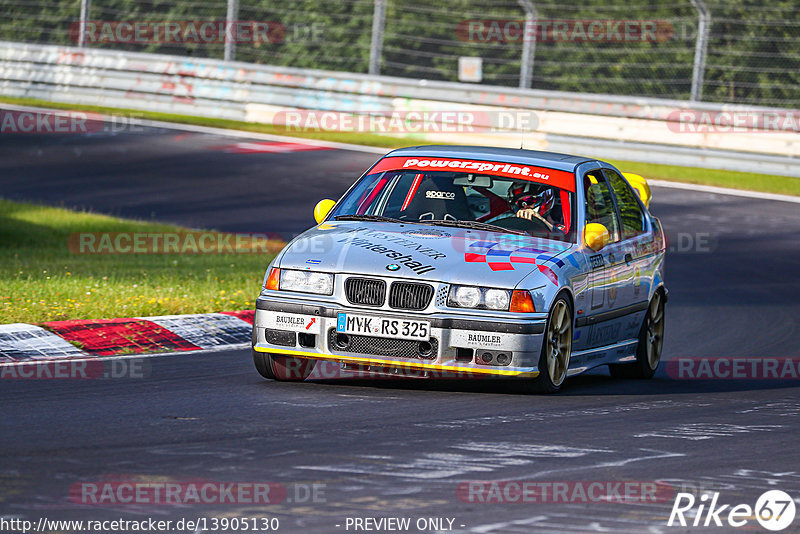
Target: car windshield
505, 197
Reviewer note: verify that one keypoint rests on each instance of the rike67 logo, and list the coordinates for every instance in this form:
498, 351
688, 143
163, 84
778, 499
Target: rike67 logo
774, 510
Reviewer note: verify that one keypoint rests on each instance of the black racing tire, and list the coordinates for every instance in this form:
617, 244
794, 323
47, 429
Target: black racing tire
556, 348
263, 365
282, 368
651, 343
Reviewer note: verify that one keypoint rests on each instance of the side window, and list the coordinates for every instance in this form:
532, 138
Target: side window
600, 203
629, 208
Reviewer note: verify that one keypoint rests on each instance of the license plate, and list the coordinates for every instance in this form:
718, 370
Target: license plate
348, 323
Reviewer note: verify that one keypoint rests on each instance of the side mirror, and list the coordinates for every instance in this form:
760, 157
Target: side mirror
322, 209
596, 236
640, 185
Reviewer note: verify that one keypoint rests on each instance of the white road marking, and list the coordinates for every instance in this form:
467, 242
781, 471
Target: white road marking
565, 522
528, 449
703, 431
438, 465
777, 409
492, 527
725, 191
616, 463
494, 420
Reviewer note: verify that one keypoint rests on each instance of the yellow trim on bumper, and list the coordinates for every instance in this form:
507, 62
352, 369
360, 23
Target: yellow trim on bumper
396, 363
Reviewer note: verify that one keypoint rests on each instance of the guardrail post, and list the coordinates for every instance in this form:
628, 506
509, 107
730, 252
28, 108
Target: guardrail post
376, 46
700, 49
85, 6
230, 33
528, 44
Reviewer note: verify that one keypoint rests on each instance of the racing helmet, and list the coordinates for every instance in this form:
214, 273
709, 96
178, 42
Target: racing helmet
523, 195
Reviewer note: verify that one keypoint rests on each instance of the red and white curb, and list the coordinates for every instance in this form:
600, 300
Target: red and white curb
21, 342
270, 147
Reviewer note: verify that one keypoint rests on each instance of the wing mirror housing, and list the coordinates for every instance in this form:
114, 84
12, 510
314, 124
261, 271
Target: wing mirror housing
322, 209
595, 236
640, 185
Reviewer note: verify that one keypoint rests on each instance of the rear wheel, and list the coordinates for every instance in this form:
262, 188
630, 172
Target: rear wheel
556, 348
283, 368
651, 342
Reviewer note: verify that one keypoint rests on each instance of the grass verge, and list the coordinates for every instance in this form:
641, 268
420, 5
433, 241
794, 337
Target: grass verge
42, 280
736, 180
767, 183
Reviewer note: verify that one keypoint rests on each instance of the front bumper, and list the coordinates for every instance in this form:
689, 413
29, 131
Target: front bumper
458, 343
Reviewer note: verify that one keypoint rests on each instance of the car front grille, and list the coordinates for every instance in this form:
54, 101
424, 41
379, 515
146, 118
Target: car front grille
410, 295
365, 291
381, 346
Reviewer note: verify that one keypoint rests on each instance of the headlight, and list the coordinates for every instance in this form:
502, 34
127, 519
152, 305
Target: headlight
496, 299
479, 298
466, 297
306, 282
321, 283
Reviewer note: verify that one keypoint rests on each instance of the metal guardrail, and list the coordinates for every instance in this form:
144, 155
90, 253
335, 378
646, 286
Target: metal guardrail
634, 128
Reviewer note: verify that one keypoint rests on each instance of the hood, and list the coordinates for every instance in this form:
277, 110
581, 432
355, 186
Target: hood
421, 252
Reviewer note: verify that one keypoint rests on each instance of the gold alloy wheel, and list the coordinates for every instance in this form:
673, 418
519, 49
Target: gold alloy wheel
559, 342
655, 330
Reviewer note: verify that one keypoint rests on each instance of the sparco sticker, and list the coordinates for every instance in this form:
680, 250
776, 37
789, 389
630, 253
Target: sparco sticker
443, 195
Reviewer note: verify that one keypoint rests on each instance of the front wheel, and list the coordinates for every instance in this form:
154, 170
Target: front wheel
282, 368
556, 348
651, 342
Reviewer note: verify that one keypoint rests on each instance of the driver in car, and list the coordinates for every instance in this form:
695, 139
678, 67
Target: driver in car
529, 201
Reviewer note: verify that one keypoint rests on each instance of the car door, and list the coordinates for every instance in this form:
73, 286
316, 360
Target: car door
607, 290
636, 247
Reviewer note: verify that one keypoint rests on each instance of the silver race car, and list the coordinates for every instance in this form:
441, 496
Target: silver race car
472, 262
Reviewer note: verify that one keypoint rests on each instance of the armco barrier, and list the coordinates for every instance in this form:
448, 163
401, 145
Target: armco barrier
603, 126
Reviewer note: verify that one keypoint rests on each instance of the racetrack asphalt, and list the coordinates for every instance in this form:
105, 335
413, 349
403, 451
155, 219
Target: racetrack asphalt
401, 448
